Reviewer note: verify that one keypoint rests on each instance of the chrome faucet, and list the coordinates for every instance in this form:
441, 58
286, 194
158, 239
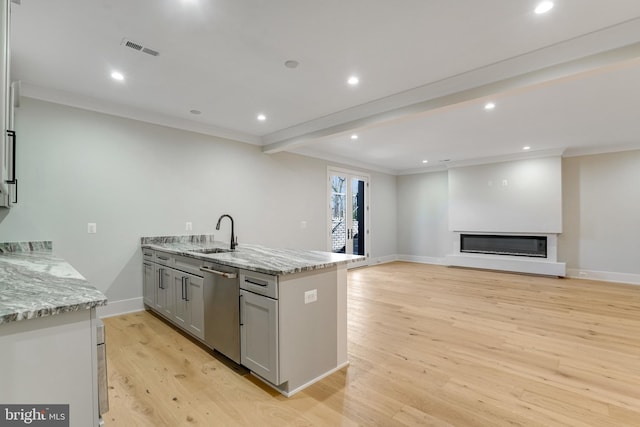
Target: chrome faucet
234, 240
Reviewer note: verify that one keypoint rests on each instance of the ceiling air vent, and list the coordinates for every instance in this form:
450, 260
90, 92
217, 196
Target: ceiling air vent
139, 47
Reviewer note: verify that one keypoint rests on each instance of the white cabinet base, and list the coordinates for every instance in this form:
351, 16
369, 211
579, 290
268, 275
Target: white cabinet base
52, 360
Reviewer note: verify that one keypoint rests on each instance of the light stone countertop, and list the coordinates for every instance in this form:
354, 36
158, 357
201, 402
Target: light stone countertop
34, 283
249, 257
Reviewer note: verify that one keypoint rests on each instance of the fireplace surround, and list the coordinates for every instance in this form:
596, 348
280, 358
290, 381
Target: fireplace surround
525, 252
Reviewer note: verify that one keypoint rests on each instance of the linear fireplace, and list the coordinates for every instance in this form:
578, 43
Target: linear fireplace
495, 244
531, 253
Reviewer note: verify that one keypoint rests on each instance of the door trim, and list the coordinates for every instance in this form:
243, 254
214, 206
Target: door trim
350, 174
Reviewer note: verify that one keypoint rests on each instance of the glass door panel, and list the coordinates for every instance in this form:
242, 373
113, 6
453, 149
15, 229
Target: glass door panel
358, 230
338, 214
349, 213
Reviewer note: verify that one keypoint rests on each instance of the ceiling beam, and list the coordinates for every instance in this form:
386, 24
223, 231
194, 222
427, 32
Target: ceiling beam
357, 117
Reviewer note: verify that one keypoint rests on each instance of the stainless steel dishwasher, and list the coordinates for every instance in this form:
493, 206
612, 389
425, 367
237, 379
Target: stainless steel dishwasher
221, 309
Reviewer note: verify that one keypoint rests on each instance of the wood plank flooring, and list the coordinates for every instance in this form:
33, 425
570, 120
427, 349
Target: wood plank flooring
428, 345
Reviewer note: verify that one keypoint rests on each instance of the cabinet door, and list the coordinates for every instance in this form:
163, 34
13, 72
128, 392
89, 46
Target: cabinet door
189, 302
259, 335
181, 312
164, 300
149, 284
195, 301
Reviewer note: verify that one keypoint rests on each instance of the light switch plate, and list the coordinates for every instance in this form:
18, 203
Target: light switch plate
92, 228
188, 226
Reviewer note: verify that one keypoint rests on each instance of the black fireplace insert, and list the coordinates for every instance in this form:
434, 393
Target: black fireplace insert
496, 244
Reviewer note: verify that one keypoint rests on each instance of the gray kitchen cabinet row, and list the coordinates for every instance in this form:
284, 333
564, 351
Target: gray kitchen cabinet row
290, 327
173, 288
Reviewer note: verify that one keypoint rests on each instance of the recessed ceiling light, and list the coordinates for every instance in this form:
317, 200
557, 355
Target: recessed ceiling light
353, 80
425, 161
544, 7
489, 106
526, 148
354, 136
195, 112
262, 117
116, 75
291, 64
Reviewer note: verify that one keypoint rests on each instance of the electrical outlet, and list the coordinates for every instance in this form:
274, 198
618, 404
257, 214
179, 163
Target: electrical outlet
188, 226
505, 183
92, 228
583, 274
311, 296
303, 225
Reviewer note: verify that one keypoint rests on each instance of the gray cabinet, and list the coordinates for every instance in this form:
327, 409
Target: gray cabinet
259, 331
181, 313
175, 294
196, 306
7, 173
164, 295
149, 282
189, 302
289, 327
259, 335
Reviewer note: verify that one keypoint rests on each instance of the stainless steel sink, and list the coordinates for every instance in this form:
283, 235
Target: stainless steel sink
211, 250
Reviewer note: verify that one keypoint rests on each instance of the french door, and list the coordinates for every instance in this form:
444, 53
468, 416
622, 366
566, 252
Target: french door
349, 213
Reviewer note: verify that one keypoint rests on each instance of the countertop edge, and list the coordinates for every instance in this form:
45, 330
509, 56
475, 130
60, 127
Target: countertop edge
50, 311
215, 258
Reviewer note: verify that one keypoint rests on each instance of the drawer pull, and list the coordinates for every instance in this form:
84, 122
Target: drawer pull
257, 282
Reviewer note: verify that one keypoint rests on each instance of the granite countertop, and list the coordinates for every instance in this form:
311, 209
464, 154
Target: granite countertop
249, 257
34, 283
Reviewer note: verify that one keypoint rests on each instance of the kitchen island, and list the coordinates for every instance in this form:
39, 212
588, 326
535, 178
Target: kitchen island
292, 304
47, 332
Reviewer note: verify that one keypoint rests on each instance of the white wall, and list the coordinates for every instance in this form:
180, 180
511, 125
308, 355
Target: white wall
136, 179
383, 214
423, 232
521, 196
602, 214
601, 207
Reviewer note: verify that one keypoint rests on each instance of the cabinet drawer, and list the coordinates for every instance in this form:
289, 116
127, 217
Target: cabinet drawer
260, 283
163, 258
188, 265
148, 255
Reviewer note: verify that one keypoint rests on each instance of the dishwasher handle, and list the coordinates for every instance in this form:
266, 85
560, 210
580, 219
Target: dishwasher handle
219, 273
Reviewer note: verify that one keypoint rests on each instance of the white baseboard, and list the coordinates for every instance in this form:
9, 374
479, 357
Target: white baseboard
605, 276
114, 308
420, 259
383, 259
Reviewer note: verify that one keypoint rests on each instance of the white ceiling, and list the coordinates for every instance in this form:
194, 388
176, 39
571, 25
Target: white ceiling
566, 81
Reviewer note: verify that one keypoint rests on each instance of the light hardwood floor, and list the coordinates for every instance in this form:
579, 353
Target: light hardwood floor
428, 345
